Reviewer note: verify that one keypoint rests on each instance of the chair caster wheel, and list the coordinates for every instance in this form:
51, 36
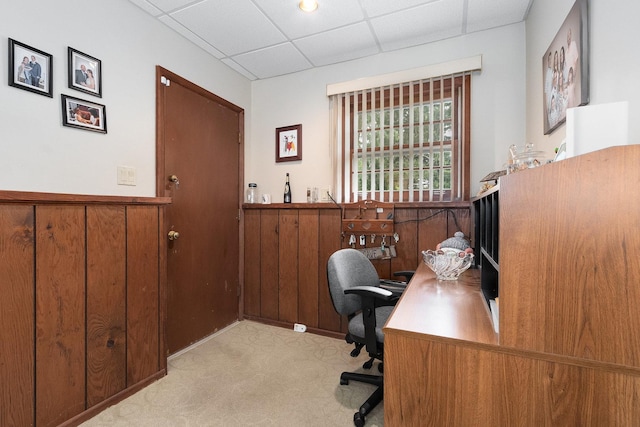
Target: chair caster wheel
344, 382
368, 365
358, 419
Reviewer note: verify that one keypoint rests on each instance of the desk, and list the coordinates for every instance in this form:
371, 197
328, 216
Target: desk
444, 366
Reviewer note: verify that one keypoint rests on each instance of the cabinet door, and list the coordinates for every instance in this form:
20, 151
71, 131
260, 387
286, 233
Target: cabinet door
60, 313
16, 315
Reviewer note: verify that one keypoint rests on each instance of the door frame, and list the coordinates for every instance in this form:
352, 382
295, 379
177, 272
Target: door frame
161, 181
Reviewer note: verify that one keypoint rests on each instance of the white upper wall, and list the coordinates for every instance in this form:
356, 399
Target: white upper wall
614, 60
498, 108
38, 153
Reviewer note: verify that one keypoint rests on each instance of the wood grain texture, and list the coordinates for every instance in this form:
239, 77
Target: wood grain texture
330, 241
277, 291
251, 288
269, 264
60, 313
106, 308
17, 315
569, 281
431, 383
308, 266
288, 266
143, 294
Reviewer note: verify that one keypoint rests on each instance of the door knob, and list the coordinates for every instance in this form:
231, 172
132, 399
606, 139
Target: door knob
175, 180
173, 235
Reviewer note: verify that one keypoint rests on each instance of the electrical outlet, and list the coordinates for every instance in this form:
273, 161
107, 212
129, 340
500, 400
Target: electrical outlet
299, 327
325, 194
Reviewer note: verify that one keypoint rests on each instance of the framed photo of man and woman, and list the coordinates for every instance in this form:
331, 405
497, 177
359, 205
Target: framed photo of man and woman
565, 68
85, 73
30, 69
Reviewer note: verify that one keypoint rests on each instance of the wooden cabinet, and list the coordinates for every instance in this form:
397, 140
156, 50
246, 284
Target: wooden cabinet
81, 311
568, 351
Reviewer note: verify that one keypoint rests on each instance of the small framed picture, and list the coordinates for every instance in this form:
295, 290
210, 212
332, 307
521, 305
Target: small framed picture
289, 143
81, 114
85, 72
30, 69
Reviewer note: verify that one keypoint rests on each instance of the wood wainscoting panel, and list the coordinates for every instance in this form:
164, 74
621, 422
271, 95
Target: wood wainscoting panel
16, 315
106, 309
308, 268
252, 260
330, 241
288, 266
143, 294
60, 313
269, 259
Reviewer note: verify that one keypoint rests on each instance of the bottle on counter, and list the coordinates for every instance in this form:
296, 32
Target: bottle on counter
287, 190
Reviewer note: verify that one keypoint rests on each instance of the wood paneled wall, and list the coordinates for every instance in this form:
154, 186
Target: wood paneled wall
81, 309
286, 248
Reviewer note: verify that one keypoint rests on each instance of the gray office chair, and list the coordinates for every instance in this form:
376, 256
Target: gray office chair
356, 293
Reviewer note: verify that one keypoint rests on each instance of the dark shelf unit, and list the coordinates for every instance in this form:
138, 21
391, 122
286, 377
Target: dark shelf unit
486, 214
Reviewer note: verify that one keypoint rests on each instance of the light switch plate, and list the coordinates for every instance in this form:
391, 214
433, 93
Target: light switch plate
126, 175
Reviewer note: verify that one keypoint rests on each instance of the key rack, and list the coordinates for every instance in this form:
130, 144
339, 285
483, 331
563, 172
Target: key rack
371, 224
368, 217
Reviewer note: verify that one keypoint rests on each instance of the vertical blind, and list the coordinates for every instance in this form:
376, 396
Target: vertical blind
404, 142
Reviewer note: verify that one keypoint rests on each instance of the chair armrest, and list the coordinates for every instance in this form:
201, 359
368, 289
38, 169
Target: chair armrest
407, 274
395, 286
375, 292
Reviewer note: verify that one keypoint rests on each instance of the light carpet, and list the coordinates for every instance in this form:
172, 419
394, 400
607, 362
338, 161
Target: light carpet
251, 374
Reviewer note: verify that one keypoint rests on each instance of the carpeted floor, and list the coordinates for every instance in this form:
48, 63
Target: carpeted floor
251, 374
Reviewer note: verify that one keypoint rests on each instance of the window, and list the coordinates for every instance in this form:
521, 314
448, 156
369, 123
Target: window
407, 142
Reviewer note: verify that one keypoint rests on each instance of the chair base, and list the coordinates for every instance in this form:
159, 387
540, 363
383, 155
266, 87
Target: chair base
372, 401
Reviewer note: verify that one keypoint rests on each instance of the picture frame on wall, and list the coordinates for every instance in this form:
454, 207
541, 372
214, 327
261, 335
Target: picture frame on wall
81, 114
85, 72
30, 69
289, 143
565, 68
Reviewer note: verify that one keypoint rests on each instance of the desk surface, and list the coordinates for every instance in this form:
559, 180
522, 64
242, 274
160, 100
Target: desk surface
443, 309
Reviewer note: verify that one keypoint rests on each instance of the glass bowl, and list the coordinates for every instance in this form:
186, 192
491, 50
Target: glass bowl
447, 263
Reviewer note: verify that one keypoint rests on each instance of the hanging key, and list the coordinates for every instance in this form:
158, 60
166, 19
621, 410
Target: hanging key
363, 240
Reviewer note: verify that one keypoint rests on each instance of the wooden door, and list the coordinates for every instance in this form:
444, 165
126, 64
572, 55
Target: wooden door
199, 141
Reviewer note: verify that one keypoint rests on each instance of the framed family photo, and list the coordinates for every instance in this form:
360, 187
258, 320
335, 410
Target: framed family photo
81, 114
289, 143
565, 68
85, 72
30, 69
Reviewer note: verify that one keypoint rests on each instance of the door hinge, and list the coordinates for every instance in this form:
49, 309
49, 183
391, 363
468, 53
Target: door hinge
239, 138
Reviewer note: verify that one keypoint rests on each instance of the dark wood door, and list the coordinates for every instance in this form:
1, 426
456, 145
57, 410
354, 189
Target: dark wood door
199, 141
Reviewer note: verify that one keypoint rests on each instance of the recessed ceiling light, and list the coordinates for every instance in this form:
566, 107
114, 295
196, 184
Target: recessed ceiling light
308, 5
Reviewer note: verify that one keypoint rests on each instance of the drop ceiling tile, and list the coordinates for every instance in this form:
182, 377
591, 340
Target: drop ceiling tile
147, 7
375, 8
169, 5
419, 25
273, 61
485, 14
295, 23
232, 26
235, 66
343, 44
189, 35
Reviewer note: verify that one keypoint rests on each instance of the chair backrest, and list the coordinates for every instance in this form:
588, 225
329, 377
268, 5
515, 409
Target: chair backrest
347, 268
